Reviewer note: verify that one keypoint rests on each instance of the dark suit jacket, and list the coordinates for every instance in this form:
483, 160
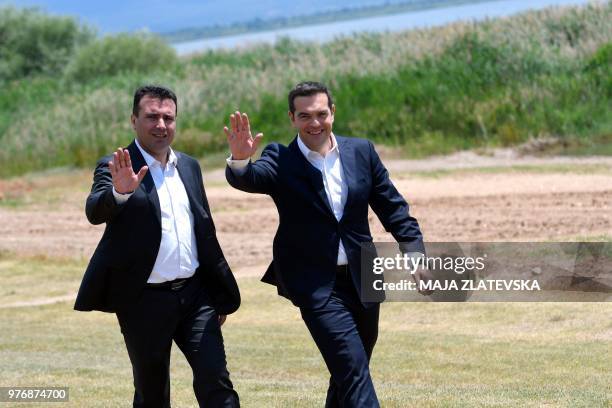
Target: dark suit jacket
124, 258
305, 249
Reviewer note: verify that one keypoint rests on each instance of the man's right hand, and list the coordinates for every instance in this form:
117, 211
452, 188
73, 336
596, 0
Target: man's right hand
241, 142
125, 181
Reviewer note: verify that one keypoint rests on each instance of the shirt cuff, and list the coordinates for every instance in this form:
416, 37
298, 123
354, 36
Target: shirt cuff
121, 198
238, 167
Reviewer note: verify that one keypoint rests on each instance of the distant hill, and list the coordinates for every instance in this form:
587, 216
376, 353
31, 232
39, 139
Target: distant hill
346, 12
113, 16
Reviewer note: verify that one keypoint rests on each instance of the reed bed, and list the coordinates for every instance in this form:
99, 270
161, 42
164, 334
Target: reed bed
464, 85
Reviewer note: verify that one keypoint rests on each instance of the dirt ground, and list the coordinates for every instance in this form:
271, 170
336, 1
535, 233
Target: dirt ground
463, 197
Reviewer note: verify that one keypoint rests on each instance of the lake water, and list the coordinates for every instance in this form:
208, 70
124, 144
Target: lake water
395, 22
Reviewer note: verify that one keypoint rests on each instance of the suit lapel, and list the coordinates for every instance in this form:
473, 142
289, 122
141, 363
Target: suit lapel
148, 185
190, 183
313, 176
347, 160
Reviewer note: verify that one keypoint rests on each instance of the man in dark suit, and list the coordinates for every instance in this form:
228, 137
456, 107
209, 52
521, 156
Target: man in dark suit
159, 265
322, 185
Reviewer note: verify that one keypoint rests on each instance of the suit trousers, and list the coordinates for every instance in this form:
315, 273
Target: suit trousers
345, 333
187, 317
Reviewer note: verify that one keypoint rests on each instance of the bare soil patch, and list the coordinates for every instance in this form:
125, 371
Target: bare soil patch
502, 205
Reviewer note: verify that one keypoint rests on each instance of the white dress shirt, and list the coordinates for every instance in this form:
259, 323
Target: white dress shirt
177, 257
335, 185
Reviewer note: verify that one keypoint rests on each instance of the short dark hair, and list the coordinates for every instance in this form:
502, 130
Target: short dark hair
308, 88
154, 91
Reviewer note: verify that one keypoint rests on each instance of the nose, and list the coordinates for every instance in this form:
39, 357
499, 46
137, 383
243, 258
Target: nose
161, 123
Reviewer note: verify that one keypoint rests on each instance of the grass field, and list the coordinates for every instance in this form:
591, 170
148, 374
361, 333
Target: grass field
428, 355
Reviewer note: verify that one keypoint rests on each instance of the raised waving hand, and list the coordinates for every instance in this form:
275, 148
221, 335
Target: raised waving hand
242, 144
124, 179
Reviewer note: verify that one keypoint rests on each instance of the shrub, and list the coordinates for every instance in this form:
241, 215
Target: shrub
599, 67
122, 53
32, 42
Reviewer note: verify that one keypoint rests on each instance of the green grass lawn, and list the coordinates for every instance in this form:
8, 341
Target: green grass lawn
428, 355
